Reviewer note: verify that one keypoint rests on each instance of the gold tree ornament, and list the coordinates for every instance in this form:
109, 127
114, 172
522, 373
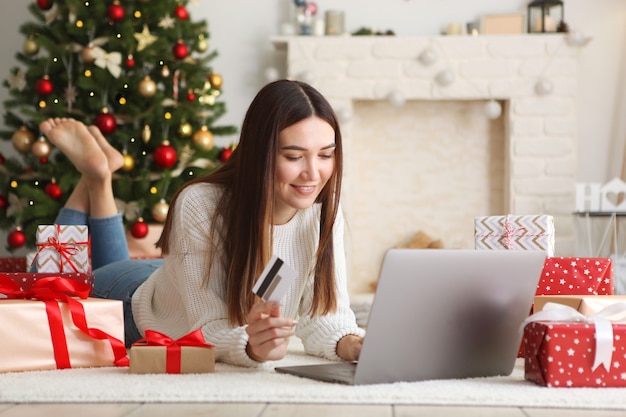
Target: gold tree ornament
159, 210
41, 148
30, 46
87, 54
146, 134
23, 139
202, 45
204, 139
147, 87
216, 80
129, 162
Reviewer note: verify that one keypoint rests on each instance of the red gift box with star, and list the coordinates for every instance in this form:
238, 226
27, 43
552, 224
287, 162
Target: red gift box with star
562, 354
26, 280
576, 276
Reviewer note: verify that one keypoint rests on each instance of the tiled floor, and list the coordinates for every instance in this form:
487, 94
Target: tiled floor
284, 410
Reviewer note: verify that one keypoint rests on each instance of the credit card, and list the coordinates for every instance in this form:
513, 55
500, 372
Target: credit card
274, 281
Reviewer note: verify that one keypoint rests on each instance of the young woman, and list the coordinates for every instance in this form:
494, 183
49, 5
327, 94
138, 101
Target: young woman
278, 194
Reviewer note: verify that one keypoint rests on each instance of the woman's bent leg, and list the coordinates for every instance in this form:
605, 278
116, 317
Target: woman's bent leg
118, 281
108, 240
68, 216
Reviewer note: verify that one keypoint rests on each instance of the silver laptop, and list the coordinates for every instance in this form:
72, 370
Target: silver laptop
441, 314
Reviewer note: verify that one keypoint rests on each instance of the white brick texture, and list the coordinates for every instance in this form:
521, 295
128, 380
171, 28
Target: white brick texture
538, 130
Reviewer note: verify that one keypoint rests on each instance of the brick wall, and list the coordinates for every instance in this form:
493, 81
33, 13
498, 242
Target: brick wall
538, 129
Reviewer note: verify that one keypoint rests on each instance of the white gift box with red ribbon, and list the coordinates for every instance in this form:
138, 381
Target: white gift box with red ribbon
63, 248
515, 232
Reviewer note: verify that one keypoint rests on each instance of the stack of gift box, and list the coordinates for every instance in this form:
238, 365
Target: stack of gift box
50, 320
576, 333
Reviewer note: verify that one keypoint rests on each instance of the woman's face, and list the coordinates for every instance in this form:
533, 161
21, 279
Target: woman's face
305, 162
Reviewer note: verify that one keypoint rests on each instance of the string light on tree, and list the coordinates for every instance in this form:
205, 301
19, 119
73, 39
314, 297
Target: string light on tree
185, 130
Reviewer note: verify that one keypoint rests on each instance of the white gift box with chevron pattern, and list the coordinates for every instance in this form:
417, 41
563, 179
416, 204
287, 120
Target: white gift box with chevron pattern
63, 248
515, 232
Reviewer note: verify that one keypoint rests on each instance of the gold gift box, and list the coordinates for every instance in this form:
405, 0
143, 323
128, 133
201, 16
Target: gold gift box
153, 360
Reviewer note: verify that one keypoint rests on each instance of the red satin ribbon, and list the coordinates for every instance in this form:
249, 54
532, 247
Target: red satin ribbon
172, 347
51, 291
66, 250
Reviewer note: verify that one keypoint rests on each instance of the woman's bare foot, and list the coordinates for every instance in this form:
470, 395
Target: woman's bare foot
79, 145
114, 157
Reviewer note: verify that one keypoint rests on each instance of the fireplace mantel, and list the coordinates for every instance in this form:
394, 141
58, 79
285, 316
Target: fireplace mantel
534, 79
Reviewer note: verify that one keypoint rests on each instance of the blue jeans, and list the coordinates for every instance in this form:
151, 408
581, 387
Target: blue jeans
116, 276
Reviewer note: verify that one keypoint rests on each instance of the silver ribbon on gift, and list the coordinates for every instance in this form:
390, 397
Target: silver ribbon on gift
602, 320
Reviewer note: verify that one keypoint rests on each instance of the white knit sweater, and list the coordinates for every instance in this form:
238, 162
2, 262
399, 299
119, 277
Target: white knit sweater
174, 300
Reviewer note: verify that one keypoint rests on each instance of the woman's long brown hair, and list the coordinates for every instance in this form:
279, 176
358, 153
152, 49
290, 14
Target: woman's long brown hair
246, 206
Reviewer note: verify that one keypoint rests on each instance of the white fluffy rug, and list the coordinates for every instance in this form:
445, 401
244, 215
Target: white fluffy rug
234, 384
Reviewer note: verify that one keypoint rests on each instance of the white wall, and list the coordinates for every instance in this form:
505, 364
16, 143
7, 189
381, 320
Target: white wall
240, 31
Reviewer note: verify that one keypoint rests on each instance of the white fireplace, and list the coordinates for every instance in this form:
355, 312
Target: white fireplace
422, 150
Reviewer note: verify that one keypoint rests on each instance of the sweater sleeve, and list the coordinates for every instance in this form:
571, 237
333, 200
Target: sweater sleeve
188, 293
320, 334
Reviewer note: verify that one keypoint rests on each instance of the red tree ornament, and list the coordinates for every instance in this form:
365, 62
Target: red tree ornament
106, 122
181, 12
16, 238
139, 229
4, 202
191, 96
44, 86
165, 155
44, 4
225, 154
130, 61
2, 159
53, 190
115, 12
180, 50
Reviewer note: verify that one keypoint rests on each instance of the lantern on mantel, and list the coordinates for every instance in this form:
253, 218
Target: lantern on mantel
544, 16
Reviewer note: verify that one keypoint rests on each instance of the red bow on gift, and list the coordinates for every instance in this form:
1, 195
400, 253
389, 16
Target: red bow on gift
50, 291
173, 347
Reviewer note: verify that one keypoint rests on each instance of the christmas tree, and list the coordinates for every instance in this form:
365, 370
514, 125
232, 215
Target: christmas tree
140, 71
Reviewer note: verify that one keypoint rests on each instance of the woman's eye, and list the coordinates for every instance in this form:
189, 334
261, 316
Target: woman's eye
292, 158
326, 156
